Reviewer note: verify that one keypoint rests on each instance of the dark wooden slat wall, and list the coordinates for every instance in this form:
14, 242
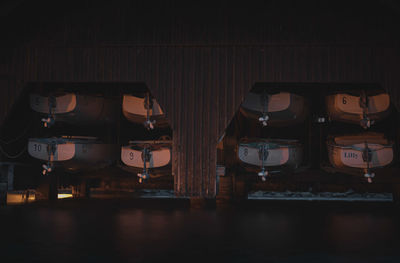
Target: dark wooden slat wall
171, 22
201, 88
9, 92
199, 59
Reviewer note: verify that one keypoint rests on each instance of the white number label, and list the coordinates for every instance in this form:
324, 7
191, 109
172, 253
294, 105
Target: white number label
37, 147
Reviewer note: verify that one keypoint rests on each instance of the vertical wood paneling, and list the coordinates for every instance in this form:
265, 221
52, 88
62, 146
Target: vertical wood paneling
201, 88
389, 61
199, 62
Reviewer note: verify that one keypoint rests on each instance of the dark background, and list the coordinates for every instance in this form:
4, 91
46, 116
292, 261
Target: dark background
199, 59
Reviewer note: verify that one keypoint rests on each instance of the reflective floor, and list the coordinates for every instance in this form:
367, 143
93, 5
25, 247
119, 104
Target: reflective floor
169, 231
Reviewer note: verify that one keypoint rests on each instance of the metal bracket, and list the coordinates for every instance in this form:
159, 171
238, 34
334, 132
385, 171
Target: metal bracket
145, 157
264, 118
365, 122
148, 104
367, 157
320, 119
51, 118
49, 166
263, 154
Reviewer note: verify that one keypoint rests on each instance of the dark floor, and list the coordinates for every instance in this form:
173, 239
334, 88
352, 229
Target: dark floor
169, 231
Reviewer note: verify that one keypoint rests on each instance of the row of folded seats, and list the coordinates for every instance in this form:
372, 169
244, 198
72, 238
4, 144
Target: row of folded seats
76, 153
351, 153
359, 153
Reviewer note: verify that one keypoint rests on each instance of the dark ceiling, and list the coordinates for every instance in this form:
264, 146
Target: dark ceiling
157, 22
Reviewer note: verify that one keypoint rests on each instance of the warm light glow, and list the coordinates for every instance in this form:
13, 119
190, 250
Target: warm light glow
63, 196
14, 198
